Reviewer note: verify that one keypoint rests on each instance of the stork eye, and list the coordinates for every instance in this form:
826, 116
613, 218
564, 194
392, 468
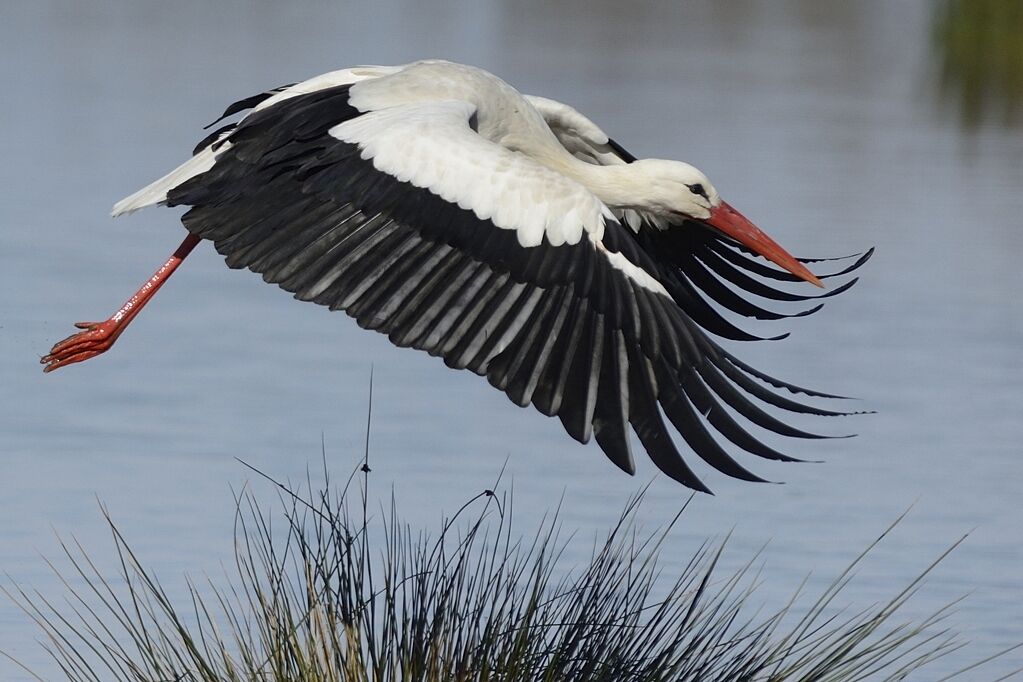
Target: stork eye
698, 190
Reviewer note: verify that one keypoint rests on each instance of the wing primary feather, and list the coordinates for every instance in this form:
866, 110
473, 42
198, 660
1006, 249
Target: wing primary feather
530, 367
732, 274
672, 329
372, 308
731, 253
472, 301
778, 383
705, 316
632, 323
646, 420
507, 331
285, 243
723, 422
611, 411
683, 417
771, 398
710, 285
317, 276
393, 293
306, 247
615, 293
487, 310
358, 288
308, 270
382, 238
476, 325
290, 273
503, 370
227, 223
550, 391
425, 331
576, 411
266, 224
409, 321
454, 309
861, 257
649, 330
744, 406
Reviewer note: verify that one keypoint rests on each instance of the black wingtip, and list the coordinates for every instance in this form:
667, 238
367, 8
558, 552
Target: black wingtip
860, 257
620, 151
808, 311
247, 103
745, 258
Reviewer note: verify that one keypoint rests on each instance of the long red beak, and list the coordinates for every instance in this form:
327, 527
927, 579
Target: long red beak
738, 227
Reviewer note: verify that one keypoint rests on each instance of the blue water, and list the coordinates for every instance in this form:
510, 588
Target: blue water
820, 121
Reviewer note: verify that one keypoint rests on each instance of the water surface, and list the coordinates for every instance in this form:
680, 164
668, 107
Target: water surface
821, 121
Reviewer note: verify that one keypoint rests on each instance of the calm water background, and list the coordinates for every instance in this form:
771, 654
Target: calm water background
823, 121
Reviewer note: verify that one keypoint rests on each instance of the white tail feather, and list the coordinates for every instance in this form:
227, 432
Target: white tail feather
156, 192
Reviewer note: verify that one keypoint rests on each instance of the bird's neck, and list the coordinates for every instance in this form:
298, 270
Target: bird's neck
618, 186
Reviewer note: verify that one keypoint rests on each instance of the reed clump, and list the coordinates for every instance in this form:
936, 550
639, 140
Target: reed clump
338, 593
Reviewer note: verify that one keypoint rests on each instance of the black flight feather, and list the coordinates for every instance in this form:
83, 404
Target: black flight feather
555, 326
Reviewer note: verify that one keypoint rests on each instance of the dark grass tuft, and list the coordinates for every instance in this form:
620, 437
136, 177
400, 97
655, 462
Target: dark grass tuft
336, 595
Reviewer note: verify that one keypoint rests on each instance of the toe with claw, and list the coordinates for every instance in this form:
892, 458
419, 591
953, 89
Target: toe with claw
97, 338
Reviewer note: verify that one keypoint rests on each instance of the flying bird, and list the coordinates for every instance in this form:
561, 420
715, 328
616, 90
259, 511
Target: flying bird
506, 234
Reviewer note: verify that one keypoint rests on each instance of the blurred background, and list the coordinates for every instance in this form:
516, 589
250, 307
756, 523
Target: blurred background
835, 126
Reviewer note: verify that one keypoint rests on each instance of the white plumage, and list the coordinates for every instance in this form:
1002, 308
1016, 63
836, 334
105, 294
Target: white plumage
156, 192
430, 145
507, 234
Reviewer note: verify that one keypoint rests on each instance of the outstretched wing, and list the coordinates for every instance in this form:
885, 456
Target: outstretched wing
420, 229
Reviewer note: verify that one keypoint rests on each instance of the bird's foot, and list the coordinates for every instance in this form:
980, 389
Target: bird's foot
97, 338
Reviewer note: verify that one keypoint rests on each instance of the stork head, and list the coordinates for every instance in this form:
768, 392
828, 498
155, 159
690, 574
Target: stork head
679, 190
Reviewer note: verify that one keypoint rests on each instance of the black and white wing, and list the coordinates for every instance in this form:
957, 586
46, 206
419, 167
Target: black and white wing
707, 264
420, 229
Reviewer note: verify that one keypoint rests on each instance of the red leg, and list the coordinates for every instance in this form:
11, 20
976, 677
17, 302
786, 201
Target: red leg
100, 336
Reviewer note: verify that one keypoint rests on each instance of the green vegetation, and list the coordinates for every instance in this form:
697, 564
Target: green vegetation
980, 44
334, 595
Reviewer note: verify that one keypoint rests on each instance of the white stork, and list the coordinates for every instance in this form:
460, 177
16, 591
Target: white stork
507, 234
